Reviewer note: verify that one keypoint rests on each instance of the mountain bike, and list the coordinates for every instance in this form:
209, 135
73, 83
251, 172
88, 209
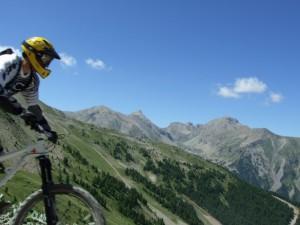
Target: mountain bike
53, 204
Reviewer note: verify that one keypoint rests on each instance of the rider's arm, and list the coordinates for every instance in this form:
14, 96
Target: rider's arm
41, 120
9, 104
37, 111
9, 67
31, 96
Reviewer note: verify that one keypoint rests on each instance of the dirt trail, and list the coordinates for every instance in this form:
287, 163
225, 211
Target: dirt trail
206, 218
296, 210
211, 219
114, 169
163, 216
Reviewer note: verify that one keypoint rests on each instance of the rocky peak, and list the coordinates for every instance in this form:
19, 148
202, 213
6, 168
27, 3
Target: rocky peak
224, 120
94, 110
139, 115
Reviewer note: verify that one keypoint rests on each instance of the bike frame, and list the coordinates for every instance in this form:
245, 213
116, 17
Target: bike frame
37, 149
40, 152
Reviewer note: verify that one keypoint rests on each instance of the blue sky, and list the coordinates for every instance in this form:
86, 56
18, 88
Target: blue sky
187, 61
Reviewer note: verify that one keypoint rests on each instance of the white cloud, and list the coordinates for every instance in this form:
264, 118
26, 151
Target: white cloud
242, 86
96, 64
67, 60
227, 93
276, 97
3, 47
249, 85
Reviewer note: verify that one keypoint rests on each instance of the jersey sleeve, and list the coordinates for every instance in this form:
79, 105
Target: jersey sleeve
31, 93
9, 68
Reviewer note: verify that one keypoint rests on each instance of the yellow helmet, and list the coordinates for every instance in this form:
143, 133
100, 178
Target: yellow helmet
40, 52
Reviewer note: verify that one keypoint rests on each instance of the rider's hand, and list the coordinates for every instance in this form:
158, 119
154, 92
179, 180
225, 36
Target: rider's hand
53, 137
29, 119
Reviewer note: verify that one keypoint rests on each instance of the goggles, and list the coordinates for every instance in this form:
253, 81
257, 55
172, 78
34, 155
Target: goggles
45, 59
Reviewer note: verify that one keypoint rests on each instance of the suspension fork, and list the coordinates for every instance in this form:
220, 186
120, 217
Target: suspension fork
47, 183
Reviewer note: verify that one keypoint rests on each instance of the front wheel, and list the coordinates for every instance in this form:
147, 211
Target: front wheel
73, 206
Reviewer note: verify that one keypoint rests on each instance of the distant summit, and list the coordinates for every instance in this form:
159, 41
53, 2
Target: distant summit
136, 124
138, 113
228, 120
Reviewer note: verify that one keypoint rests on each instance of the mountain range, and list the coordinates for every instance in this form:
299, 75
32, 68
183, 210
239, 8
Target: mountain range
257, 155
139, 180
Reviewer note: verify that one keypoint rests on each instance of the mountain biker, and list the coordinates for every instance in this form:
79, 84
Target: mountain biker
19, 74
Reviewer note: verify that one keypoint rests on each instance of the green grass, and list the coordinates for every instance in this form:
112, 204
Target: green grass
21, 185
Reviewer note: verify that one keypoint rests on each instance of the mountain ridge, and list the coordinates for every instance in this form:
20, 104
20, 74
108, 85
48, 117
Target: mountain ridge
257, 155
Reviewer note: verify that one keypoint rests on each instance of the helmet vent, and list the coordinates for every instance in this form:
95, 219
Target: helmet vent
47, 44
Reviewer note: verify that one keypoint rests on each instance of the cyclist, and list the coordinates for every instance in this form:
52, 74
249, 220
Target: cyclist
19, 74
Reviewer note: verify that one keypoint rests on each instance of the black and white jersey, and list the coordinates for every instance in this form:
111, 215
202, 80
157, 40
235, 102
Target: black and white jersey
13, 79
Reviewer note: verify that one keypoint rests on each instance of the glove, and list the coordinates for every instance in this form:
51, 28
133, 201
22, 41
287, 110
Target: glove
30, 120
53, 137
